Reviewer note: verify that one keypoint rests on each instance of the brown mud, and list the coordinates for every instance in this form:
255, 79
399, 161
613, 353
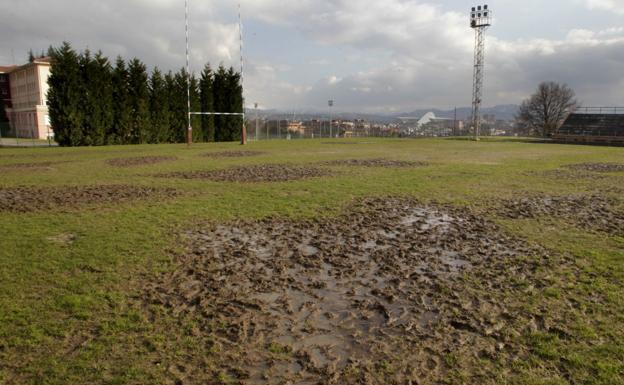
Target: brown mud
391, 292
232, 154
589, 212
596, 167
383, 163
139, 161
566, 174
30, 199
254, 174
29, 166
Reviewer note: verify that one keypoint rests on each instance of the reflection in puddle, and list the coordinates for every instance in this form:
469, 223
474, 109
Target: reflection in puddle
306, 299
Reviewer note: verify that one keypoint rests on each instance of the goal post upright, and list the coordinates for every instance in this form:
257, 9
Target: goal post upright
242, 73
189, 131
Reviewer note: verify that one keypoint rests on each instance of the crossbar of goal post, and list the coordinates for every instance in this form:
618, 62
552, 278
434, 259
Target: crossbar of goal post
218, 113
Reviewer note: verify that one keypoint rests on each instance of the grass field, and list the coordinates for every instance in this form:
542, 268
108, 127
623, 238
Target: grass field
72, 277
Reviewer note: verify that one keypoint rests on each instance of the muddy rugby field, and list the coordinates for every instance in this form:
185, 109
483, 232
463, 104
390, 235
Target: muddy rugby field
394, 262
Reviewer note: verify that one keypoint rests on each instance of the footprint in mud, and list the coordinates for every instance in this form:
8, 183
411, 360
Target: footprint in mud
324, 300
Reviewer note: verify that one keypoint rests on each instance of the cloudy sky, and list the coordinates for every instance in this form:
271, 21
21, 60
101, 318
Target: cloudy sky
369, 55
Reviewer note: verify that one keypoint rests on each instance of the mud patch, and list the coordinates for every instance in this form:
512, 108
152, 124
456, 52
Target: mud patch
139, 161
596, 167
254, 174
31, 199
382, 294
29, 166
566, 174
232, 154
592, 212
382, 163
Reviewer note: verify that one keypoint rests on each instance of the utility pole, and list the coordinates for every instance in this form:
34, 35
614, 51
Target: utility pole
330, 103
480, 21
257, 128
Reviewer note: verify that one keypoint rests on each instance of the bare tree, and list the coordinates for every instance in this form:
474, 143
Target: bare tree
545, 111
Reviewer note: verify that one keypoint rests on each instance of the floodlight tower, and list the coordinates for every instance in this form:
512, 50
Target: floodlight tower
480, 21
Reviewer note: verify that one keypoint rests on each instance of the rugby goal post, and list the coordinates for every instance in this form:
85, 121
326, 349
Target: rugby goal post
189, 135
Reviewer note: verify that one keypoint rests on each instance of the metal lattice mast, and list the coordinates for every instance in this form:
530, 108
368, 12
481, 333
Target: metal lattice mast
480, 21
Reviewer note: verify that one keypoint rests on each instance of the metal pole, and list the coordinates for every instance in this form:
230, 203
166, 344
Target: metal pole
331, 124
189, 134
257, 127
240, 35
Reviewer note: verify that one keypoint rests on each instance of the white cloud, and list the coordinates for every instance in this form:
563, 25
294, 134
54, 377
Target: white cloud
607, 5
379, 55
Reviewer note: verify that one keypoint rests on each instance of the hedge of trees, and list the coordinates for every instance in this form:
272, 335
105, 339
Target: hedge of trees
93, 102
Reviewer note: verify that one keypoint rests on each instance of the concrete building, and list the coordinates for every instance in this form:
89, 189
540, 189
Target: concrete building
5, 88
28, 115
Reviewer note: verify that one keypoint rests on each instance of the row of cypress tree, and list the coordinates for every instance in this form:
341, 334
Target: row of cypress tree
93, 102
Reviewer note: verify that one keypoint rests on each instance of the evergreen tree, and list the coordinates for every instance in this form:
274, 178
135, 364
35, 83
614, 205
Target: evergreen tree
172, 98
64, 96
219, 89
100, 85
86, 101
234, 97
179, 109
138, 98
31, 56
207, 103
97, 98
122, 124
159, 108
198, 132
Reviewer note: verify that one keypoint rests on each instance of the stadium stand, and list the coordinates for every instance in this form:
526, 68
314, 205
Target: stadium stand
593, 126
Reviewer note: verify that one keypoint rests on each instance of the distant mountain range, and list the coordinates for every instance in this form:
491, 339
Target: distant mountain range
504, 112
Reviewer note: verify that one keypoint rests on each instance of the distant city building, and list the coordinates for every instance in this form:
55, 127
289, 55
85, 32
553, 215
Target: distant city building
28, 89
428, 125
296, 128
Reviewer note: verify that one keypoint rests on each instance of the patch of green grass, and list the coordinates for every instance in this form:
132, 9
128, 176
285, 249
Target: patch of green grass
66, 309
